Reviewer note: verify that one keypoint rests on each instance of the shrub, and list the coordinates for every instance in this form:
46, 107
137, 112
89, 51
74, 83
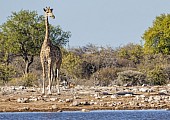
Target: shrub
131, 52
88, 69
71, 64
28, 80
131, 78
121, 63
157, 76
167, 71
6, 73
105, 76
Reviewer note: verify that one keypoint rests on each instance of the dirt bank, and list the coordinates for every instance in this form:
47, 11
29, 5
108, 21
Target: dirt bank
19, 98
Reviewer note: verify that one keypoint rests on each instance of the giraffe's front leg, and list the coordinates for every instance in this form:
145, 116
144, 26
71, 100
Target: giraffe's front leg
49, 77
44, 76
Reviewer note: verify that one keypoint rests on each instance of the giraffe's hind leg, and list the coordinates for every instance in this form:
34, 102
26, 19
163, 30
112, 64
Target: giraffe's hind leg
58, 81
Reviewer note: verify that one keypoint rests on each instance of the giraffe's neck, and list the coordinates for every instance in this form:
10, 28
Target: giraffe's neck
46, 40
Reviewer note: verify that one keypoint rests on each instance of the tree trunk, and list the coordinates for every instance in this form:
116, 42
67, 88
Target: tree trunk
28, 63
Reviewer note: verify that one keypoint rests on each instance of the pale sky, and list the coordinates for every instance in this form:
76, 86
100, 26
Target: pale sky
101, 22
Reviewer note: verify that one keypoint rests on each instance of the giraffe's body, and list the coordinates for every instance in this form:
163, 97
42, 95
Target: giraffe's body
50, 56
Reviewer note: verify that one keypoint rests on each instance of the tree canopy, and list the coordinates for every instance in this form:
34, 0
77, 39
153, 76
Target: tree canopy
23, 33
157, 37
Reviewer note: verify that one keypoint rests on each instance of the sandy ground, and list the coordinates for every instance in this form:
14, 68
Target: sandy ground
19, 99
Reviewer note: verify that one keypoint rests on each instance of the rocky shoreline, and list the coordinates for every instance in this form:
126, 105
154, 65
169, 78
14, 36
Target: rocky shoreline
84, 98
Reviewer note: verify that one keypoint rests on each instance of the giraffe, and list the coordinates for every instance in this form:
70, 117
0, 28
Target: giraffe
50, 55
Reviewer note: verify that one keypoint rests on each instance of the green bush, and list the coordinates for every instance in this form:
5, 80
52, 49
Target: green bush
6, 73
131, 78
28, 80
167, 71
71, 64
157, 76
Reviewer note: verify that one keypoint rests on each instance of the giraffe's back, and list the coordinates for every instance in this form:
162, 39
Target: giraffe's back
52, 52
56, 54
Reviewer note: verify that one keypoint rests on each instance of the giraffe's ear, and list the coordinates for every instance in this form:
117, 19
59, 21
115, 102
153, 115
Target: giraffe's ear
51, 10
44, 9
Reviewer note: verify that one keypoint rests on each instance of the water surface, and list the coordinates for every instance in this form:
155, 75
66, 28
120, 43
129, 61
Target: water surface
92, 115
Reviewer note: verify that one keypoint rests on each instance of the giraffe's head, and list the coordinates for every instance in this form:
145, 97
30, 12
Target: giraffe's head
49, 12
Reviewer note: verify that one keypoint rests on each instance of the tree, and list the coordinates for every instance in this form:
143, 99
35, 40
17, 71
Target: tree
133, 52
58, 36
23, 33
157, 37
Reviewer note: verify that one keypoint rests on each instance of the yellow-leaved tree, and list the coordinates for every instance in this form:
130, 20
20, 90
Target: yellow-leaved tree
157, 37
71, 64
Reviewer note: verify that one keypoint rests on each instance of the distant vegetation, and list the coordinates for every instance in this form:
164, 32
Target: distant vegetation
22, 34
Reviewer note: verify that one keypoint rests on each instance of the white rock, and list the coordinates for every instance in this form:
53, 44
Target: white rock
128, 95
69, 100
92, 103
21, 87
163, 91
39, 98
137, 97
150, 90
135, 90
19, 100
53, 99
13, 87
85, 110
33, 99
157, 98
54, 107
142, 96
84, 103
75, 103
114, 96
60, 100
98, 97
104, 96
151, 98
143, 89
22, 100
77, 97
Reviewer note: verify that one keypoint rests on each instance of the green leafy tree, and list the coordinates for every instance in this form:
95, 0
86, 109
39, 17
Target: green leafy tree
58, 36
23, 33
157, 37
